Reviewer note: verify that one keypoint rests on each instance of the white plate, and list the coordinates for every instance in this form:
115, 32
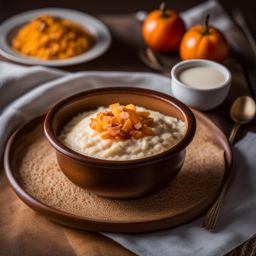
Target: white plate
93, 25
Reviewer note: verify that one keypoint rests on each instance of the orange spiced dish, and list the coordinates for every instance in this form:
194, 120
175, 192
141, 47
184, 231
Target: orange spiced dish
52, 38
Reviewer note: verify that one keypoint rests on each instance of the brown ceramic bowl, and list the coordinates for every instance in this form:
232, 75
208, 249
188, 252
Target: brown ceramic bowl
119, 179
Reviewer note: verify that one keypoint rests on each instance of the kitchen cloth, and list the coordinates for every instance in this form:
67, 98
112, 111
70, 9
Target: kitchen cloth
27, 92
38, 88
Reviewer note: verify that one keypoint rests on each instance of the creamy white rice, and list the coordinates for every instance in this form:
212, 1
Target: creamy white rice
77, 135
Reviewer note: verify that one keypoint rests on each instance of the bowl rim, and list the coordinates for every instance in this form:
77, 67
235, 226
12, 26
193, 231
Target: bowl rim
203, 62
61, 148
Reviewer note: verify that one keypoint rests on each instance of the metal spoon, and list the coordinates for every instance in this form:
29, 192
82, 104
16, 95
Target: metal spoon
242, 111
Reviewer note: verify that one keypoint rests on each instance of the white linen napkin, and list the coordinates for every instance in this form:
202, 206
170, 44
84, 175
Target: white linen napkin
218, 17
28, 92
236, 222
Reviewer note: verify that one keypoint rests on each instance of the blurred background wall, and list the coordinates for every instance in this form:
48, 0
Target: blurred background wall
10, 7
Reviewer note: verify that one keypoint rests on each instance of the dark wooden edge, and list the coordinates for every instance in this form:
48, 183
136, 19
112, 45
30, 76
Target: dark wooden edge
106, 226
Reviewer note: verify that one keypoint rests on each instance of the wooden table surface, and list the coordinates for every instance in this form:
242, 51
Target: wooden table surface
123, 56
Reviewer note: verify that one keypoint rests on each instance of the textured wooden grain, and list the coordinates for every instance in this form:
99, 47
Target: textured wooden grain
197, 182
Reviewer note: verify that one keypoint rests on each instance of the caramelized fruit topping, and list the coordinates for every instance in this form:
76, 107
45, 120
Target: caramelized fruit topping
121, 122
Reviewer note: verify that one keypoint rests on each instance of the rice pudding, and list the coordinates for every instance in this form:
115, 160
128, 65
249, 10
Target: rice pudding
160, 134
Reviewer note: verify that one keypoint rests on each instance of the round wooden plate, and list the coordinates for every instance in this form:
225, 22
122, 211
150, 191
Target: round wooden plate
187, 197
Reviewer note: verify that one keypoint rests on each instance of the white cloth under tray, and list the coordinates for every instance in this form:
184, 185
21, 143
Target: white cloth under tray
28, 92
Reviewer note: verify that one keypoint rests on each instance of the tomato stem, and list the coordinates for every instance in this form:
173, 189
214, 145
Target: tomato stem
206, 29
163, 10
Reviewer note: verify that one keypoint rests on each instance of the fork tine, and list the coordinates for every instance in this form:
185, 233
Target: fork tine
212, 215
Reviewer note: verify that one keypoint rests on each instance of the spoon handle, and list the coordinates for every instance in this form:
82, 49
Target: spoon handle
233, 133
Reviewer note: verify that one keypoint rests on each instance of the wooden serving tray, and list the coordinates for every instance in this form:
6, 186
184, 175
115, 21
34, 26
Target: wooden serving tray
33, 173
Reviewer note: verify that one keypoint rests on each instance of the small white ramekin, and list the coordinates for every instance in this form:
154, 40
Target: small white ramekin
202, 99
